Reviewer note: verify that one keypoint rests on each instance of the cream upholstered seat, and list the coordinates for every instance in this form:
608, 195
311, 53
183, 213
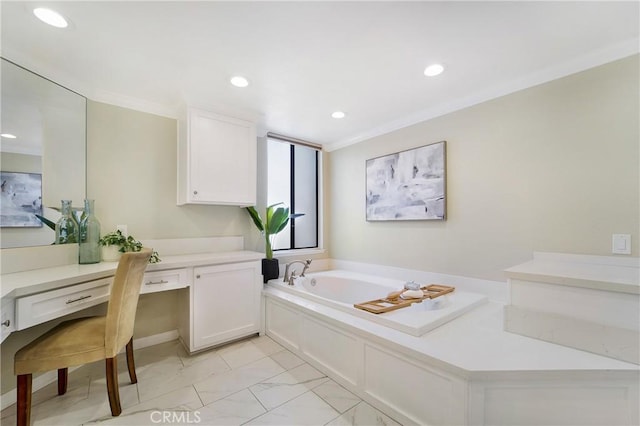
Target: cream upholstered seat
85, 340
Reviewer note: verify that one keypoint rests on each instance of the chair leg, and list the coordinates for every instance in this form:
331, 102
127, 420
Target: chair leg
63, 376
23, 406
112, 386
131, 363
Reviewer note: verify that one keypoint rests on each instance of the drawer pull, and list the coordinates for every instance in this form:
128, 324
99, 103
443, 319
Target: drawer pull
78, 299
6, 323
157, 282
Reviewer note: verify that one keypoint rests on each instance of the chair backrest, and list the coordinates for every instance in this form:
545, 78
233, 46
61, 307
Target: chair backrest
123, 301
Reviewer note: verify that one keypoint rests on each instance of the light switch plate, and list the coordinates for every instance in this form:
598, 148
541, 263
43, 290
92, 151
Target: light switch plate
621, 244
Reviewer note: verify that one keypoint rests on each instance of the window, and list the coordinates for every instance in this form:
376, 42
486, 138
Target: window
292, 178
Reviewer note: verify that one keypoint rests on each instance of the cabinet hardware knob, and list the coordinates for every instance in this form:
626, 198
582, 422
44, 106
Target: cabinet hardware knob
6, 323
195, 192
198, 276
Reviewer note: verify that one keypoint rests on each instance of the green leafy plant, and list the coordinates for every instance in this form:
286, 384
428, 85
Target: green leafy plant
47, 222
275, 220
116, 238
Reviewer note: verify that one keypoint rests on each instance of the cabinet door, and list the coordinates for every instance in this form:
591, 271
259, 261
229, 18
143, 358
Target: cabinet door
226, 303
222, 158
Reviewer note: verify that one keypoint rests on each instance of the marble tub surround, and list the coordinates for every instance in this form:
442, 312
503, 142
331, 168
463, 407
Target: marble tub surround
258, 382
458, 373
607, 273
467, 371
590, 303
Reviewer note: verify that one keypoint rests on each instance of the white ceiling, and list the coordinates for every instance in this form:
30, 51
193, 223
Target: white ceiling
307, 59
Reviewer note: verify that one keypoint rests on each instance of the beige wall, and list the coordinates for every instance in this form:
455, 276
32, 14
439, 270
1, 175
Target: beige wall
551, 168
131, 167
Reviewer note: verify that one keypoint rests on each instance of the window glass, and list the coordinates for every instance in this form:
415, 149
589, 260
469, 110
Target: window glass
292, 178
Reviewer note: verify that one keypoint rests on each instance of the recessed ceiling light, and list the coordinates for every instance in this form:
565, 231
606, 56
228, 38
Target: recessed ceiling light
8, 135
338, 114
433, 70
239, 81
50, 17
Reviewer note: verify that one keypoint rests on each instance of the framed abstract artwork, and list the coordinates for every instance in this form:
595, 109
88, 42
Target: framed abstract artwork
408, 185
21, 200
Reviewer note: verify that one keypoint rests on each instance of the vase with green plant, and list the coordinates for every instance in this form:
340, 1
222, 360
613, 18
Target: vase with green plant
275, 220
115, 243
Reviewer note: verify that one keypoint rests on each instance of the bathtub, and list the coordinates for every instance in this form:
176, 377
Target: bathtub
342, 289
415, 368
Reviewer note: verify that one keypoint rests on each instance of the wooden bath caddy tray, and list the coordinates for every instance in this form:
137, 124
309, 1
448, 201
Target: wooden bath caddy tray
386, 304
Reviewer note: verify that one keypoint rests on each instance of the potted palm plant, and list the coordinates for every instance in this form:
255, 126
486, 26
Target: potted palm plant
275, 220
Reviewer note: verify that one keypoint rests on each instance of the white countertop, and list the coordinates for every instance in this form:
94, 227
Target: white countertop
19, 284
474, 344
595, 272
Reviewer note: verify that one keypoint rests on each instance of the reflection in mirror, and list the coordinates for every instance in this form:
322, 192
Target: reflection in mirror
47, 154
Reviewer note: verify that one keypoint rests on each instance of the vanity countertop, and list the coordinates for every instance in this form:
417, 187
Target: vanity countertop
24, 283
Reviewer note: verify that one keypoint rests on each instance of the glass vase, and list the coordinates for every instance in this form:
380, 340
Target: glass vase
66, 227
89, 235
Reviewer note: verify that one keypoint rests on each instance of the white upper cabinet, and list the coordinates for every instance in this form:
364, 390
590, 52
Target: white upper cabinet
216, 159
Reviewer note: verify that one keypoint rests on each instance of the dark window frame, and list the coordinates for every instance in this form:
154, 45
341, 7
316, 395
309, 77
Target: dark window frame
292, 221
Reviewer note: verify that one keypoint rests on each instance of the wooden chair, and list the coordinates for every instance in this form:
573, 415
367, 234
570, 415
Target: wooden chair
84, 340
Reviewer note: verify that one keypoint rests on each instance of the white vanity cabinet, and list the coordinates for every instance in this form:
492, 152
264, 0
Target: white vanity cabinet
224, 304
216, 159
7, 318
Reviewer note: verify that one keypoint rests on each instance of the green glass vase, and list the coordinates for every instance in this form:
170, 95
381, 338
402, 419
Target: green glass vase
89, 235
66, 227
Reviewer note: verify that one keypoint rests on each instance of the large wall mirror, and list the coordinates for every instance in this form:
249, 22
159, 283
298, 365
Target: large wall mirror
42, 154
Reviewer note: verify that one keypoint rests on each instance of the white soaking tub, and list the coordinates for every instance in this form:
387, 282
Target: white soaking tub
342, 289
465, 371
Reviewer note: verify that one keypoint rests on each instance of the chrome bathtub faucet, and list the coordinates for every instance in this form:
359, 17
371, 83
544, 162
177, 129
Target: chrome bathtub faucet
288, 278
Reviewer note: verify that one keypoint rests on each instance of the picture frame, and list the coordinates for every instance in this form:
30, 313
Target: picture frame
21, 200
407, 185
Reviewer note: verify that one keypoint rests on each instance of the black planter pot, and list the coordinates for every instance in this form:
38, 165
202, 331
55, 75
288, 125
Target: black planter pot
270, 269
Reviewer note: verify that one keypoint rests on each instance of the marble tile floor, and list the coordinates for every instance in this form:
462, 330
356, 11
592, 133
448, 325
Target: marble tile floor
254, 382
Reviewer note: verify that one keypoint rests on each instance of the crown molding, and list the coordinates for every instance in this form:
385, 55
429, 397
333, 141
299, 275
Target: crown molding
142, 105
591, 60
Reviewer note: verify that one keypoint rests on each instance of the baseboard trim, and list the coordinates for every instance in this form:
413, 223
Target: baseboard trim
9, 398
156, 339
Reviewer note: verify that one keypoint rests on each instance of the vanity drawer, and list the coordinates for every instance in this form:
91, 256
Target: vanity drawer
164, 280
42, 307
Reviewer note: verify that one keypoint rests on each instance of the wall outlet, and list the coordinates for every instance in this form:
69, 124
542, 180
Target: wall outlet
123, 229
621, 244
